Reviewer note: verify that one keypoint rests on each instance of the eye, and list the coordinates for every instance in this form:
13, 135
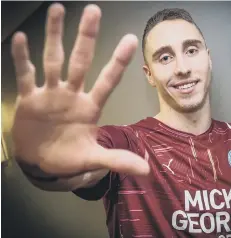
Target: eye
165, 59
192, 51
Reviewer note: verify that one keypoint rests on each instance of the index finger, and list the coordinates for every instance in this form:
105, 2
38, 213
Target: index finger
111, 74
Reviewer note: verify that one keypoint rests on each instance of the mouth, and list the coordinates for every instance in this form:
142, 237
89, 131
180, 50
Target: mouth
187, 87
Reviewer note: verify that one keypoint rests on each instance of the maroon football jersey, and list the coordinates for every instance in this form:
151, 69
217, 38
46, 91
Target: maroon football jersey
186, 194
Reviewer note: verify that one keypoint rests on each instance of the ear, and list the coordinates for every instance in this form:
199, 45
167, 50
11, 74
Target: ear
210, 60
148, 75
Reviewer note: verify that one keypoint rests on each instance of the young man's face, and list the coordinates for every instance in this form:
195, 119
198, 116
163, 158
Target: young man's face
179, 65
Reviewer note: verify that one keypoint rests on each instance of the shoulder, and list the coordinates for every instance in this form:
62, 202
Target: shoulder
222, 124
115, 136
130, 129
121, 136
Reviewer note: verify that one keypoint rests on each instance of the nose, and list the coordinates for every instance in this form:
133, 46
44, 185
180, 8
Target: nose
182, 68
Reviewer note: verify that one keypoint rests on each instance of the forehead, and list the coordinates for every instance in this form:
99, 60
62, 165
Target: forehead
172, 33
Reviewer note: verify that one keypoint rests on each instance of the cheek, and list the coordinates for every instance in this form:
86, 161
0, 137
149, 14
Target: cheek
163, 73
200, 65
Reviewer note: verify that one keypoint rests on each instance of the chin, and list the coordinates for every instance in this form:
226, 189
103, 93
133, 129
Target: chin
190, 107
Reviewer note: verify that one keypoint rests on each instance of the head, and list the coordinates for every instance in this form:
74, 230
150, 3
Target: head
177, 61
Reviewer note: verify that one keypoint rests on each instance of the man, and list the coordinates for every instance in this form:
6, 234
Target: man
164, 176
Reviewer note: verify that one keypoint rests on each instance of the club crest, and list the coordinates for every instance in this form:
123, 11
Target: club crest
229, 158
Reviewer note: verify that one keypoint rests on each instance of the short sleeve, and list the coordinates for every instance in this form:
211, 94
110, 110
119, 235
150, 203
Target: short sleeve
111, 137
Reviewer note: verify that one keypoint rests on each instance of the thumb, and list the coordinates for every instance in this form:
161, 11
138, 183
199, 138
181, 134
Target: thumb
123, 161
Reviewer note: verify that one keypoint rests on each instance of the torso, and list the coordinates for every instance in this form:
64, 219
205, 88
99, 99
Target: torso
187, 193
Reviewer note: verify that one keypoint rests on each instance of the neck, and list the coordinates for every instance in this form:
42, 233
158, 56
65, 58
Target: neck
195, 123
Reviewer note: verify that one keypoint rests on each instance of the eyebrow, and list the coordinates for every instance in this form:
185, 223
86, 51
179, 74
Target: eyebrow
187, 43
168, 48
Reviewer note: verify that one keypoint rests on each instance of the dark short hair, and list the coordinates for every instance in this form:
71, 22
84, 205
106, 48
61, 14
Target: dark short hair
166, 14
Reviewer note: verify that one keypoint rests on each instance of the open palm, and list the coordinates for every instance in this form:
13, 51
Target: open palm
55, 125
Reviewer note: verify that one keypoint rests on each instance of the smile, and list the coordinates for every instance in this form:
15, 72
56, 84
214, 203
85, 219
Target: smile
186, 88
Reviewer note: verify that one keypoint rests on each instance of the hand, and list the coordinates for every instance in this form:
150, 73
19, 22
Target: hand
55, 125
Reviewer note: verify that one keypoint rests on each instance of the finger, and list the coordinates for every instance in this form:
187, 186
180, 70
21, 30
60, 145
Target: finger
97, 157
83, 51
117, 160
123, 161
112, 72
25, 71
53, 57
